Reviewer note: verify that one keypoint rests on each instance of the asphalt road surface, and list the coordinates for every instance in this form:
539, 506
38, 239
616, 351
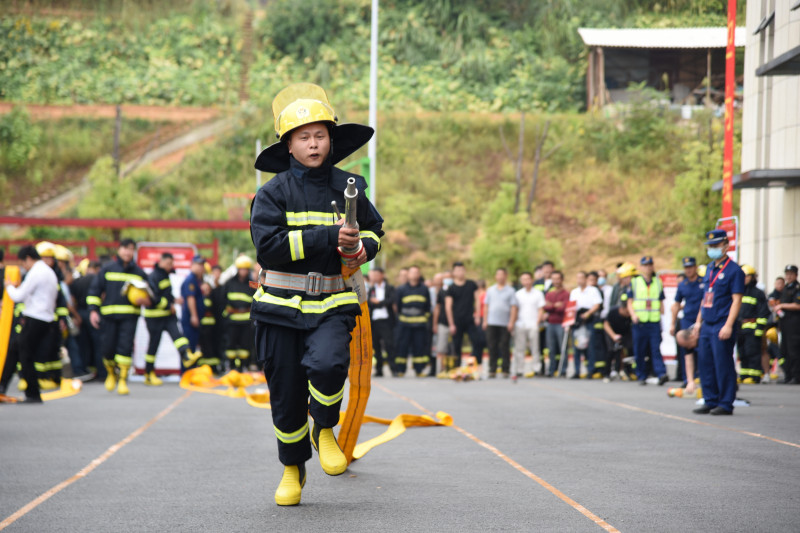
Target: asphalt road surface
539, 455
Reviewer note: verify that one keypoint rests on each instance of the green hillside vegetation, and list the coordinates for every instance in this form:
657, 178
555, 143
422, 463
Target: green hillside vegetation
453, 75
446, 188
38, 155
474, 55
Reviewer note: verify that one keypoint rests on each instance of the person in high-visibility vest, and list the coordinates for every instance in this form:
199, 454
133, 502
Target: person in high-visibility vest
646, 304
238, 299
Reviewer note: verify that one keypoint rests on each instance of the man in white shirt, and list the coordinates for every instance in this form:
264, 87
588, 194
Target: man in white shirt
530, 303
588, 303
38, 292
380, 298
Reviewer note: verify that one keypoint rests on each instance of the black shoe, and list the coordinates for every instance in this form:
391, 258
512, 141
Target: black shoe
720, 411
643, 382
703, 410
576, 376
663, 379
30, 400
793, 381
378, 375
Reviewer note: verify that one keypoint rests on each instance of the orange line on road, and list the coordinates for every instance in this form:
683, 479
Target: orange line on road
666, 415
86, 470
563, 497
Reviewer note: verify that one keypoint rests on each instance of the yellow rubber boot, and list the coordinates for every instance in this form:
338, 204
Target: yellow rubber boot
291, 485
22, 385
331, 457
111, 378
150, 378
122, 385
191, 358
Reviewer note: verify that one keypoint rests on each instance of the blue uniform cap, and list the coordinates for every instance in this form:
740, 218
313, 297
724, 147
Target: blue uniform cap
646, 260
198, 259
716, 236
689, 262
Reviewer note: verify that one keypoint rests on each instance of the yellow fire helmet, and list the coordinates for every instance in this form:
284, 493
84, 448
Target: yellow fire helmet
83, 266
137, 289
46, 249
63, 253
701, 271
243, 262
626, 270
748, 270
305, 103
772, 335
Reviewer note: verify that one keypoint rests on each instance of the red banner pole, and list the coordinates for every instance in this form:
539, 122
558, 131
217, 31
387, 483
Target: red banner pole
730, 84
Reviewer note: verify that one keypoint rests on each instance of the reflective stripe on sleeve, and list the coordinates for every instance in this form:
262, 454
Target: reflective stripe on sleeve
164, 283
93, 300
296, 245
122, 276
119, 310
413, 298
371, 235
240, 297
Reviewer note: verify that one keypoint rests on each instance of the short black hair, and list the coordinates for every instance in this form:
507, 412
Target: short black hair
167, 255
593, 273
94, 264
216, 267
558, 272
498, 269
378, 269
2, 255
126, 242
458, 264
28, 251
526, 272
548, 263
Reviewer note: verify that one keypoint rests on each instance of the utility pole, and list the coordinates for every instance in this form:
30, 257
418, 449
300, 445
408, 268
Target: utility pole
373, 103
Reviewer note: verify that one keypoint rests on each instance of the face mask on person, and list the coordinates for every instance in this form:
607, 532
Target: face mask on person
601, 281
714, 253
447, 282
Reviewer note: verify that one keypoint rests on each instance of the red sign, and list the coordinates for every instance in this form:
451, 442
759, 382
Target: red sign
149, 253
569, 314
669, 279
731, 227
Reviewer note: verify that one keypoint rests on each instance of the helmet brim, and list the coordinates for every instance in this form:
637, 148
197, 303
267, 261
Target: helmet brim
346, 139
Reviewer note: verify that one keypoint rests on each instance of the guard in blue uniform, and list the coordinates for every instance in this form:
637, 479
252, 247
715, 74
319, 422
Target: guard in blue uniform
722, 299
302, 309
194, 308
413, 309
687, 299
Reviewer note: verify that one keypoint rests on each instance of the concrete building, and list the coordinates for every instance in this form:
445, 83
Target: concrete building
770, 180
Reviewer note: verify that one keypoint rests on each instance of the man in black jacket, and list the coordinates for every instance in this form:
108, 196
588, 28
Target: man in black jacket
381, 308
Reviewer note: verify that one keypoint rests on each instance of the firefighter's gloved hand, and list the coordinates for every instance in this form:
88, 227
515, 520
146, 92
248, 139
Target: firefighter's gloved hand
357, 261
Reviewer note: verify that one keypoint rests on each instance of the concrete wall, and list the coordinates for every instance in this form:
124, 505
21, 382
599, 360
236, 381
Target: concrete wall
770, 217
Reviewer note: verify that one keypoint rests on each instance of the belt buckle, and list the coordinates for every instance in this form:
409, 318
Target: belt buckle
314, 283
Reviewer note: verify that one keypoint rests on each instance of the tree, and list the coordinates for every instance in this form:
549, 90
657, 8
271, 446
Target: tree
509, 239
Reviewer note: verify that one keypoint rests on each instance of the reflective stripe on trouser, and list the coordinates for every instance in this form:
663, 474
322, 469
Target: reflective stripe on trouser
293, 358
156, 328
117, 337
240, 340
410, 340
716, 367
647, 341
749, 347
